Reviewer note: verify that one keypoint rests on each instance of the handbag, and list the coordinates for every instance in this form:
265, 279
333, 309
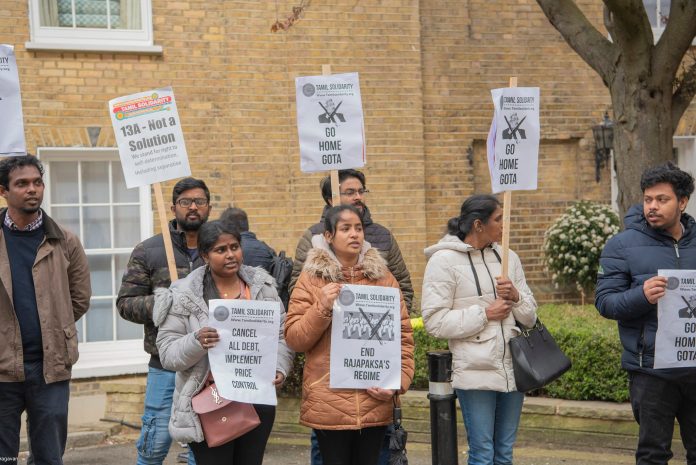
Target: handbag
397, 440
222, 420
536, 358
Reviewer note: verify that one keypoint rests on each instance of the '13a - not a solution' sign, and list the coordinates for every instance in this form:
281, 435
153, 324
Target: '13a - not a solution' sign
12, 140
366, 338
513, 141
243, 362
149, 137
330, 122
675, 341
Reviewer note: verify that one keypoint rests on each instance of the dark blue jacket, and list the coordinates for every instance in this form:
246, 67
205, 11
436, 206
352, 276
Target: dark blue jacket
256, 252
628, 260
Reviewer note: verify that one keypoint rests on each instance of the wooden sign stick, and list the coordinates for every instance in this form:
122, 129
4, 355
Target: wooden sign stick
166, 236
507, 208
335, 191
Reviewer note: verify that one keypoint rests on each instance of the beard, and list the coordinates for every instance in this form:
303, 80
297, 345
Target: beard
186, 224
30, 210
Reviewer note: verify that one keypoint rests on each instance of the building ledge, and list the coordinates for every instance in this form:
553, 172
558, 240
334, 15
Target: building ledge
96, 48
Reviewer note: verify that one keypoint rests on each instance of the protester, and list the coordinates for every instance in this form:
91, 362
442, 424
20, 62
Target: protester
350, 424
147, 270
353, 192
256, 252
466, 301
184, 339
45, 289
658, 235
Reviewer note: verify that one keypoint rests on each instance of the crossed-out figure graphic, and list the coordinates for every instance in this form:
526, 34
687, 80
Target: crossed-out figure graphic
368, 326
513, 130
690, 310
331, 112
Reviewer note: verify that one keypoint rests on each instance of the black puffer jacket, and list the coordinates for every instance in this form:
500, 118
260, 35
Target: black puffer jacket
147, 269
628, 260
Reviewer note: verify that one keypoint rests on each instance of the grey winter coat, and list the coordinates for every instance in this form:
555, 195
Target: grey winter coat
179, 312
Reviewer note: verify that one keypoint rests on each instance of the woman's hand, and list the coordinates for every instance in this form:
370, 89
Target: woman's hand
499, 309
327, 296
207, 337
279, 380
506, 290
381, 394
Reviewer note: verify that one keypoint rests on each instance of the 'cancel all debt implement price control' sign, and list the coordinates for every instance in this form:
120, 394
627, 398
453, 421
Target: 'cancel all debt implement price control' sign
149, 137
366, 338
675, 341
330, 122
244, 361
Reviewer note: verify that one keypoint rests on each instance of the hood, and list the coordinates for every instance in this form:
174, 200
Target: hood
635, 219
450, 242
366, 216
322, 262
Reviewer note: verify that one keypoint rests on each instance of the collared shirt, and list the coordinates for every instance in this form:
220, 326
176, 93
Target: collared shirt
33, 226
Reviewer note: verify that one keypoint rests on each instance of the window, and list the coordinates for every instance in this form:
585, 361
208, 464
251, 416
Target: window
92, 25
86, 193
658, 14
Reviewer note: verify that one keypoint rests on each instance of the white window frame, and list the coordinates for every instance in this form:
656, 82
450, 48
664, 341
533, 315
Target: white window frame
107, 358
92, 39
659, 28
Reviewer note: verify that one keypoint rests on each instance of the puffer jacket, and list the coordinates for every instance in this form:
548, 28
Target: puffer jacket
179, 312
628, 260
458, 285
379, 238
308, 330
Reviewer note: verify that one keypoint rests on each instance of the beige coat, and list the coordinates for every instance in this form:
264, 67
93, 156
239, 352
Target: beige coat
63, 289
453, 310
308, 330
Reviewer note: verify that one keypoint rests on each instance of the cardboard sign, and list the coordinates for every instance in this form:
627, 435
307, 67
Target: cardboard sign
513, 140
12, 140
244, 361
330, 122
675, 341
366, 338
149, 137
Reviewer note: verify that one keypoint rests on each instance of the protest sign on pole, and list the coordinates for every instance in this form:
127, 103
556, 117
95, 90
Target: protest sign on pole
151, 147
675, 340
244, 361
335, 188
12, 140
513, 148
330, 122
366, 338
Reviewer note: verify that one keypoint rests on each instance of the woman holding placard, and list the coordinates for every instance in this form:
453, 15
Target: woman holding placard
350, 423
184, 338
467, 302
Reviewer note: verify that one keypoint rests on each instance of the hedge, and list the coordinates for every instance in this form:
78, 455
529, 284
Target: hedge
590, 341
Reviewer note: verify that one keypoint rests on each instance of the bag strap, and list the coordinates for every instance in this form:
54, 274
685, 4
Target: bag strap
397, 411
473, 270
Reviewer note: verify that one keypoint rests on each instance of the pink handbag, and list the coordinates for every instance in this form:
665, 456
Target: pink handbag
222, 420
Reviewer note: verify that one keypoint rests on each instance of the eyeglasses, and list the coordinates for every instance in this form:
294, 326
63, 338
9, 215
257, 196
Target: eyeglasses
352, 192
184, 202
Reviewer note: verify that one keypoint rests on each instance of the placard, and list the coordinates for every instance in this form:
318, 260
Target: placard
513, 140
675, 341
244, 361
149, 137
12, 140
330, 122
366, 338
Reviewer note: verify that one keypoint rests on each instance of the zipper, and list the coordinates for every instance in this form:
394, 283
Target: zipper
502, 332
642, 345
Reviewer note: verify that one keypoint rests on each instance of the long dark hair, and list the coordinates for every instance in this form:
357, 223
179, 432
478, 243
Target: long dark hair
333, 214
477, 207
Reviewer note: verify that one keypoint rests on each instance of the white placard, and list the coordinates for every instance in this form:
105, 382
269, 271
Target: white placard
675, 341
149, 137
366, 338
330, 122
513, 140
244, 361
12, 140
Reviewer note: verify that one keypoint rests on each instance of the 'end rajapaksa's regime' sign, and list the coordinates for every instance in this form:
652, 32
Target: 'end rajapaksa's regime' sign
330, 122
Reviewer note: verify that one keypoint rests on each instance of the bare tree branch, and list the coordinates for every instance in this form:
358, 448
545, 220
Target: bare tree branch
684, 93
581, 35
630, 26
677, 36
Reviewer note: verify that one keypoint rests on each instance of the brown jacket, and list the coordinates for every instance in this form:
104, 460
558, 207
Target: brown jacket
63, 289
308, 329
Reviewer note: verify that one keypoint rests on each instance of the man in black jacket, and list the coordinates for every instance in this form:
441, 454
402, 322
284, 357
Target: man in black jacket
147, 270
256, 252
658, 235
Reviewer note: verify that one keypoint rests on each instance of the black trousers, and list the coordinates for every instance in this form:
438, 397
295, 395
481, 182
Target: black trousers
47, 412
656, 402
245, 450
351, 447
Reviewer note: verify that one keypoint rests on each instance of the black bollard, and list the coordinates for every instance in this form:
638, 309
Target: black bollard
443, 411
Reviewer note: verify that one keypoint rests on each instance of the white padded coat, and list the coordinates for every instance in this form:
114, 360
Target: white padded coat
458, 285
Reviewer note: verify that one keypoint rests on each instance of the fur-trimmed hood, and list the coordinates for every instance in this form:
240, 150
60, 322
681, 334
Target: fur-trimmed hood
322, 262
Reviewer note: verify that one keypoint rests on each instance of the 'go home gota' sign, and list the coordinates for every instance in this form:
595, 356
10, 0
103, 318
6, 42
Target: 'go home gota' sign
149, 137
330, 122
